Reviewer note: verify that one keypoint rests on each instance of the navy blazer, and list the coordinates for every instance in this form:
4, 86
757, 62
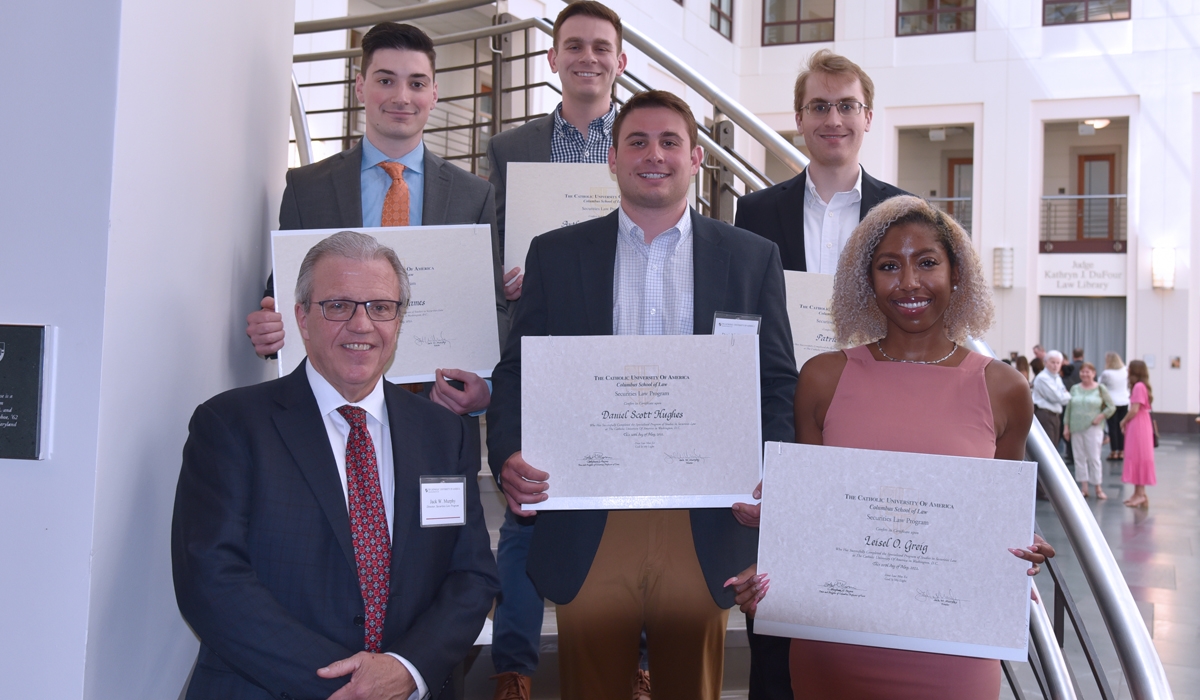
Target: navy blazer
569, 291
777, 213
261, 552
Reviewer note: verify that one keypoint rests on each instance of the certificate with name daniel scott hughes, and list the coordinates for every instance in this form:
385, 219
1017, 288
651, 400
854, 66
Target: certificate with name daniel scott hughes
668, 421
450, 321
897, 550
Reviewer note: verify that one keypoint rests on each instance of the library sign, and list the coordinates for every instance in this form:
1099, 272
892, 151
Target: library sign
1081, 274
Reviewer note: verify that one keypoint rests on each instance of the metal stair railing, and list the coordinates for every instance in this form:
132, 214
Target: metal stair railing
1144, 673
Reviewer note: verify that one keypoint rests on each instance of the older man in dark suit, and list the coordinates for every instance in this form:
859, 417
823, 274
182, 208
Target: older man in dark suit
598, 278
301, 556
390, 179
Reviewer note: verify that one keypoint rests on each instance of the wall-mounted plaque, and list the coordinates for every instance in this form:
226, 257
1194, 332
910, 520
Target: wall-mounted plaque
23, 352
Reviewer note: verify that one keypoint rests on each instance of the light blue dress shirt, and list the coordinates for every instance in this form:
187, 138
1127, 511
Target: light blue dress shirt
374, 183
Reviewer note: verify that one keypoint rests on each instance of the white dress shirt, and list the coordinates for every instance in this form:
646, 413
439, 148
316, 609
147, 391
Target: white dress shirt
337, 429
827, 226
653, 283
1049, 392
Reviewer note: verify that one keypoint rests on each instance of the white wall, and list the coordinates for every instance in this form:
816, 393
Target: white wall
147, 143
199, 157
57, 106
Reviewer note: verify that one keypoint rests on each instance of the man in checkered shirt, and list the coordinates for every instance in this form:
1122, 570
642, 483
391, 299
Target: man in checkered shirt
587, 56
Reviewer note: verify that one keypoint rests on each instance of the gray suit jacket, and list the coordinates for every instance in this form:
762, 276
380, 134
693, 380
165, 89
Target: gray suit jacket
327, 194
528, 143
569, 291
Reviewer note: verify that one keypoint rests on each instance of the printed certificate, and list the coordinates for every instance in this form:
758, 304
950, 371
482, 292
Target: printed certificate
451, 317
896, 550
668, 421
541, 197
808, 307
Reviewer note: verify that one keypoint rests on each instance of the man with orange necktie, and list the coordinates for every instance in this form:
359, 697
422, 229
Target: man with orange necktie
367, 185
301, 553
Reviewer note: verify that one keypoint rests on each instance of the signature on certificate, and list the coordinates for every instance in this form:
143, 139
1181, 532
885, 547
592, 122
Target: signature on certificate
434, 341
838, 586
940, 597
687, 457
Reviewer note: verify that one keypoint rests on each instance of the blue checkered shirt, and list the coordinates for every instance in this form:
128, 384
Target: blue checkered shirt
567, 145
653, 284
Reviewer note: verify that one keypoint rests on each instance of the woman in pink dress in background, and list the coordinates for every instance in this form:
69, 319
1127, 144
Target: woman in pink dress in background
909, 289
1139, 436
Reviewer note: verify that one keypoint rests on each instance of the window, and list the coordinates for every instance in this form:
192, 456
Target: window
934, 16
720, 17
1084, 11
797, 21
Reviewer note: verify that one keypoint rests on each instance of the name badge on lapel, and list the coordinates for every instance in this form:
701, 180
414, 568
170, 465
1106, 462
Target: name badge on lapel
443, 501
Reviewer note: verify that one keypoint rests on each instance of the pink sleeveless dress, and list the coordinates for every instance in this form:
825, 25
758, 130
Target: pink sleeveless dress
902, 407
1138, 468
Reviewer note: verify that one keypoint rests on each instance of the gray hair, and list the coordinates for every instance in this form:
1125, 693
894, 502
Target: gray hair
354, 246
1055, 355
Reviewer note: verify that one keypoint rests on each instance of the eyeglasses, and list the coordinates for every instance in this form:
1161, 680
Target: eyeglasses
846, 108
344, 309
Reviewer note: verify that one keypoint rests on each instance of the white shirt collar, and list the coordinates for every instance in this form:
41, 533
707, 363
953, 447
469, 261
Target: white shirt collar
626, 227
329, 400
856, 190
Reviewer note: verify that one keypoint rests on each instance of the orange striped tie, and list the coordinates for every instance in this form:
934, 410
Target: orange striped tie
395, 204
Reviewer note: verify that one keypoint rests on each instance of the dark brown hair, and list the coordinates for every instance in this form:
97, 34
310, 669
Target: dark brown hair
656, 98
403, 37
830, 63
1138, 372
589, 8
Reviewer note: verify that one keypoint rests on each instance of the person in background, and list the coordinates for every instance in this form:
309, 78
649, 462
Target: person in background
1083, 425
588, 58
1039, 353
1139, 436
1115, 378
1022, 365
1035, 368
1070, 372
1050, 396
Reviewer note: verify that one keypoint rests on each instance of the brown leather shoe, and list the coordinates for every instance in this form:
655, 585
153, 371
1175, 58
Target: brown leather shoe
641, 685
511, 686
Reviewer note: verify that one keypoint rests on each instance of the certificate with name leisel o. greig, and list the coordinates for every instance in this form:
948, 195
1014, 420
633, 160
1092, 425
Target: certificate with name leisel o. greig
668, 421
450, 321
897, 550
541, 197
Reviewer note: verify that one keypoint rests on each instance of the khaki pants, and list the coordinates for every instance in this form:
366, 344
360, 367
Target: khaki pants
645, 574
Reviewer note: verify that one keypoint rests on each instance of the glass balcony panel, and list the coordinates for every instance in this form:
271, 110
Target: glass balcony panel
816, 9
816, 31
780, 34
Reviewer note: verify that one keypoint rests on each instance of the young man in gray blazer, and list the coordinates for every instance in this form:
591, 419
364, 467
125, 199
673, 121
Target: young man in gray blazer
349, 189
587, 57
580, 559
810, 218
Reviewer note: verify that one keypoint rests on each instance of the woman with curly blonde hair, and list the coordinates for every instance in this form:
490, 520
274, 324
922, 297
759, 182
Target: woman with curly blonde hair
908, 291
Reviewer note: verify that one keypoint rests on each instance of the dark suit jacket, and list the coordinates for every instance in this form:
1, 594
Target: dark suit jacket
528, 143
777, 213
328, 194
263, 563
569, 291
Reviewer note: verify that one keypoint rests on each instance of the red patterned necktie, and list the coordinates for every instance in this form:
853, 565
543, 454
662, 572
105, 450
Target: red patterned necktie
368, 525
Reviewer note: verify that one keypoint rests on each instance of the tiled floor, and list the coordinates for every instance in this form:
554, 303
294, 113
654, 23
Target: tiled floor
1156, 550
